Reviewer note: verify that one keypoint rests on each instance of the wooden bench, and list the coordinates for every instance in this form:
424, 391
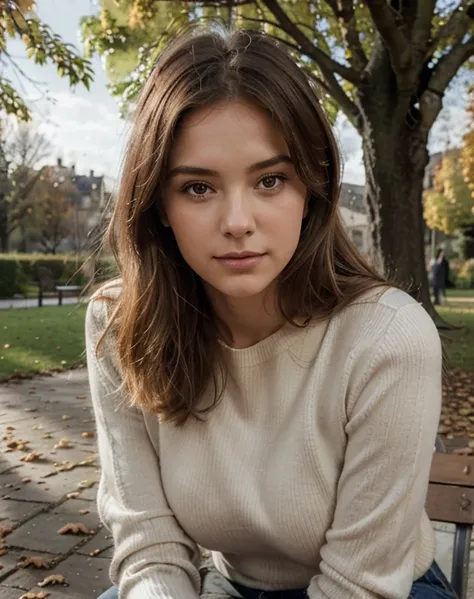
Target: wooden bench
66, 289
451, 499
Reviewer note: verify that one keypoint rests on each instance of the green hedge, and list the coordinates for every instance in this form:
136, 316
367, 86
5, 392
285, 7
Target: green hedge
8, 277
19, 270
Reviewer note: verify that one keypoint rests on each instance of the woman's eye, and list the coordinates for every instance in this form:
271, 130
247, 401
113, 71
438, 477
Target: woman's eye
196, 189
270, 181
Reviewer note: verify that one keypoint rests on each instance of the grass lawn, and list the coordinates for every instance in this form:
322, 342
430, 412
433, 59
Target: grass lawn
33, 339
459, 344
53, 336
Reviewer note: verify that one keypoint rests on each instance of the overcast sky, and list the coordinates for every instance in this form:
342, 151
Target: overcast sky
85, 127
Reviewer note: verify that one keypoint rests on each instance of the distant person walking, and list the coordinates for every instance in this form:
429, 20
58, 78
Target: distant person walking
439, 275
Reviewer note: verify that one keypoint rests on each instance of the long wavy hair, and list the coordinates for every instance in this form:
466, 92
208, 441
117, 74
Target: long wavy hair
165, 332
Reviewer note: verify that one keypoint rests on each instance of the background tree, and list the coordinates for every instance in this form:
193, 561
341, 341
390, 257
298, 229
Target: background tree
19, 20
467, 152
52, 212
385, 63
25, 148
449, 205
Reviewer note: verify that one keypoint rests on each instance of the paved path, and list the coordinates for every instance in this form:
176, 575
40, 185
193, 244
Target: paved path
35, 496
32, 302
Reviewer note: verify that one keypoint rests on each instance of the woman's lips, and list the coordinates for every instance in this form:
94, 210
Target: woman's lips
243, 263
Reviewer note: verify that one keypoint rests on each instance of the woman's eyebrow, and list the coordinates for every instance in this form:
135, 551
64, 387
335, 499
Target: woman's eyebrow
207, 172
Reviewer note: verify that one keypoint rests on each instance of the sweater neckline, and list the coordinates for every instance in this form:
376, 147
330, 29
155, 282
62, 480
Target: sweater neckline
265, 349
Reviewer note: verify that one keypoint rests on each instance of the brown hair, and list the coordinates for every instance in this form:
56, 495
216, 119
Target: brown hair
165, 331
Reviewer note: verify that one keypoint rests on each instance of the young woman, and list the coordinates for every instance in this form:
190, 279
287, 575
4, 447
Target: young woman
259, 390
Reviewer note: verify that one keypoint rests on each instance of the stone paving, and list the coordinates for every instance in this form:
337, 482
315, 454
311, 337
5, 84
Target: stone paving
58, 487
39, 497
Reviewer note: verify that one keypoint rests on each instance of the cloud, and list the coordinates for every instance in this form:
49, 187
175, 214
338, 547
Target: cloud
84, 132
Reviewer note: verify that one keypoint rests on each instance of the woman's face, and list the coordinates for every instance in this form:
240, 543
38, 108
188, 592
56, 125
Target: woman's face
233, 198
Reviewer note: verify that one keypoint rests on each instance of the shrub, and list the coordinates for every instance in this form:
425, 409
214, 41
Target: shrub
465, 275
8, 273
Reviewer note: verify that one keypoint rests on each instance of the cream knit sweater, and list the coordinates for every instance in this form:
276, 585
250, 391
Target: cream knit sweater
312, 471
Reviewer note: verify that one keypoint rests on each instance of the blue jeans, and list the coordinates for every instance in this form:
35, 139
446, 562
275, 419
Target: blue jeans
433, 585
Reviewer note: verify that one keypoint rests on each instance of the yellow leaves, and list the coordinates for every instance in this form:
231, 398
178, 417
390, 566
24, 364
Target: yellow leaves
63, 444
87, 435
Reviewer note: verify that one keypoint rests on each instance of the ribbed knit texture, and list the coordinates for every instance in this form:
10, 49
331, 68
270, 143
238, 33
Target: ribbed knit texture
312, 471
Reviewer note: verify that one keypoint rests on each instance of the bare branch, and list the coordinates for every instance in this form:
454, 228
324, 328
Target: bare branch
395, 40
325, 62
345, 14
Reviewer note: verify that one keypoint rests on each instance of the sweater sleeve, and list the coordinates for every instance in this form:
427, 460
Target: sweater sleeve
153, 557
393, 406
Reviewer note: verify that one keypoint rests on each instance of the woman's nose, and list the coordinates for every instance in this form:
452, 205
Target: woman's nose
238, 216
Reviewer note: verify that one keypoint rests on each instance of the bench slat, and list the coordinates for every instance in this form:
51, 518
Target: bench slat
449, 503
451, 469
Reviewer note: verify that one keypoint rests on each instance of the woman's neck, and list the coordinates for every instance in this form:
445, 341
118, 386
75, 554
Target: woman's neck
247, 320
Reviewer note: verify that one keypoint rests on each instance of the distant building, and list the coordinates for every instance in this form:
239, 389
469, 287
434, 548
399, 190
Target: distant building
354, 216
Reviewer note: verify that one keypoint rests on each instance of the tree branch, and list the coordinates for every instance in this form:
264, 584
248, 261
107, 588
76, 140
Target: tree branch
431, 100
422, 27
395, 40
454, 29
345, 14
324, 62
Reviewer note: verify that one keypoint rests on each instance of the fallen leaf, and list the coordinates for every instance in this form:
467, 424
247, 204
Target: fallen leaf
31, 457
37, 562
31, 595
81, 396
88, 435
74, 529
6, 530
83, 512
86, 484
10, 428
94, 552
63, 444
73, 495
31, 409
52, 579
48, 436
26, 480
51, 389
65, 417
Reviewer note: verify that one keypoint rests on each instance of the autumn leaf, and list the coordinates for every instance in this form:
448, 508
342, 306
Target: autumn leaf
74, 529
63, 444
86, 484
88, 435
10, 428
65, 417
73, 495
31, 409
6, 530
52, 579
37, 562
95, 552
31, 457
31, 595
81, 396
83, 512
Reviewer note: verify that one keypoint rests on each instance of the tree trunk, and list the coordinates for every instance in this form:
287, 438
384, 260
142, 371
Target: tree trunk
395, 162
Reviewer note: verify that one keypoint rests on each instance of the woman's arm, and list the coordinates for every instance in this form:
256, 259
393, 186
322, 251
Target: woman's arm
153, 557
393, 407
